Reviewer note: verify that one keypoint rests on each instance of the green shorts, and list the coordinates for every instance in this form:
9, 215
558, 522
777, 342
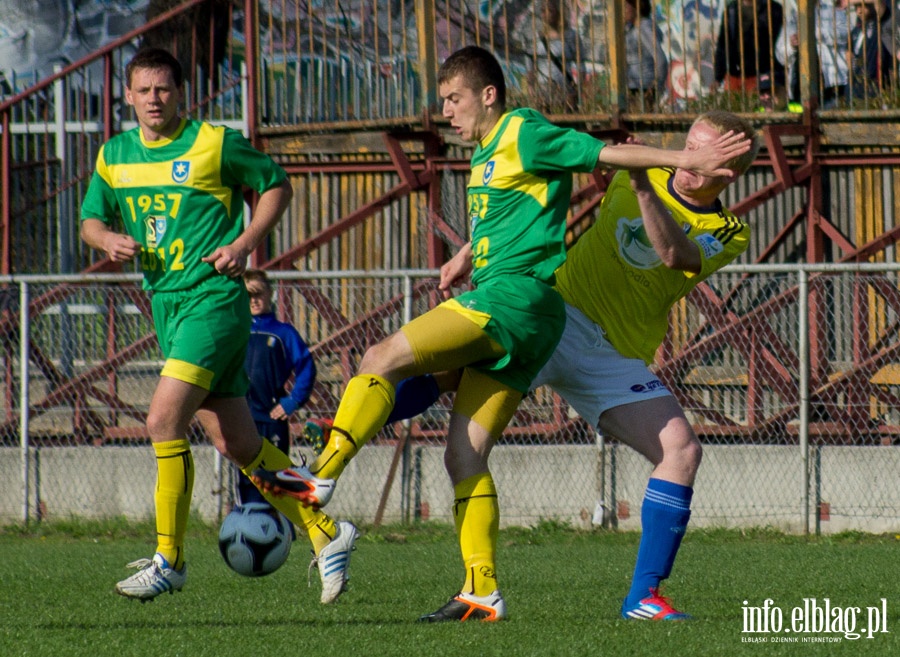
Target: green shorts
525, 316
203, 334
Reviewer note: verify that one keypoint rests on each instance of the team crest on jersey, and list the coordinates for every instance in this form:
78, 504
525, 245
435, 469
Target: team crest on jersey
634, 245
180, 170
488, 172
156, 228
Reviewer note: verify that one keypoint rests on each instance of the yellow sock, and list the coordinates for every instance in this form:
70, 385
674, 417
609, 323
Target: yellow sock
477, 517
319, 527
365, 406
174, 484
268, 458
272, 458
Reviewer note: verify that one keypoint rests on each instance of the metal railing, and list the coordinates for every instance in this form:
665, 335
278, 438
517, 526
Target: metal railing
785, 368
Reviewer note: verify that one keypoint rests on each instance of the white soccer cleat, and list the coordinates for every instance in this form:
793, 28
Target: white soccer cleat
297, 482
334, 562
154, 576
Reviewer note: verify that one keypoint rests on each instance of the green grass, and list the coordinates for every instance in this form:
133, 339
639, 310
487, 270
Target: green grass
563, 588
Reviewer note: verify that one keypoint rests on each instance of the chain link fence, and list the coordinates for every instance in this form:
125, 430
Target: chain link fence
789, 374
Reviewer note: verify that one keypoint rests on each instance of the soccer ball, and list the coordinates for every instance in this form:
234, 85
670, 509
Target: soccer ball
255, 539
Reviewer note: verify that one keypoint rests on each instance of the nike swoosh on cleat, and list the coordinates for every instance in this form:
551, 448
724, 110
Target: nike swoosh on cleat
291, 480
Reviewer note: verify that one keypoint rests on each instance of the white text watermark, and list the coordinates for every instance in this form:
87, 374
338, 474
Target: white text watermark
812, 621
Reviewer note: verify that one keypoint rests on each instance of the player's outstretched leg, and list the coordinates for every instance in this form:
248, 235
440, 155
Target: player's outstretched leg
154, 576
332, 542
365, 406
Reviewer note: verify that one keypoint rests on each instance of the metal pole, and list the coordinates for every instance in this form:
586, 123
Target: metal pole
64, 241
406, 467
252, 69
428, 64
5, 196
803, 384
245, 119
24, 357
615, 35
219, 478
600, 511
613, 484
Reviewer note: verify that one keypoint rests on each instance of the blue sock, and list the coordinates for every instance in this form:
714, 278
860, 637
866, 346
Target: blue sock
664, 518
412, 396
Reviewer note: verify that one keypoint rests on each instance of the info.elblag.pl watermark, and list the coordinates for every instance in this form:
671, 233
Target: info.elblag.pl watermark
812, 621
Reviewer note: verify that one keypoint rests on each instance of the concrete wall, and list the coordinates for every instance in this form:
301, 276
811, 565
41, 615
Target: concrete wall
738, 486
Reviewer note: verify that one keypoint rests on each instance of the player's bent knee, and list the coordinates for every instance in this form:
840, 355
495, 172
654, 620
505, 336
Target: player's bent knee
389, 358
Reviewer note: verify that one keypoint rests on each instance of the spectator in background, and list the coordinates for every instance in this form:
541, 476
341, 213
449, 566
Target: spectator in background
832, 30
870, 39
558, 54
646, 62
745, 44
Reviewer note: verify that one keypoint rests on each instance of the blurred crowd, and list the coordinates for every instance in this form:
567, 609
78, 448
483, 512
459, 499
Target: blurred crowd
755, 55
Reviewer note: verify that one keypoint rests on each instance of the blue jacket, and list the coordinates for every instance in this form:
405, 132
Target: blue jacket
274, 351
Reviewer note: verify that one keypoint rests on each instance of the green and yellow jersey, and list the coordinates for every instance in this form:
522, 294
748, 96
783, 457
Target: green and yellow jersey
519, 192
614, 276
180, 198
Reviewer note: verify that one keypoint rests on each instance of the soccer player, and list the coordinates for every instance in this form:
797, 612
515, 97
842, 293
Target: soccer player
659, 234
501, 332
176, 186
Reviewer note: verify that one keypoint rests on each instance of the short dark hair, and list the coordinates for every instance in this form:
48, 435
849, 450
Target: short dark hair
478, 69
154, 58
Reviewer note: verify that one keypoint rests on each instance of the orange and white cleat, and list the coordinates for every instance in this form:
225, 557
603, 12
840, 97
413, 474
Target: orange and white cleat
297, 482
465, 606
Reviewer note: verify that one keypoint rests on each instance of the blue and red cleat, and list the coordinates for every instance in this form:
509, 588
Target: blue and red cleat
654, 607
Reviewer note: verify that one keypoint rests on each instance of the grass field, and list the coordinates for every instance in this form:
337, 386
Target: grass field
563, 589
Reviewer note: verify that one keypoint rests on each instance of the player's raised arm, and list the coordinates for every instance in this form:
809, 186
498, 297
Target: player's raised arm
710, 161
667, 238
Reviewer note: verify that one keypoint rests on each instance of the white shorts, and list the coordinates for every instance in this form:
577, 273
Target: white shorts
591, 375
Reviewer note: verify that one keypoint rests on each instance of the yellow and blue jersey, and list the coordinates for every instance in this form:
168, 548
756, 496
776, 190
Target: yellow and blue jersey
614, 276
180, 198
